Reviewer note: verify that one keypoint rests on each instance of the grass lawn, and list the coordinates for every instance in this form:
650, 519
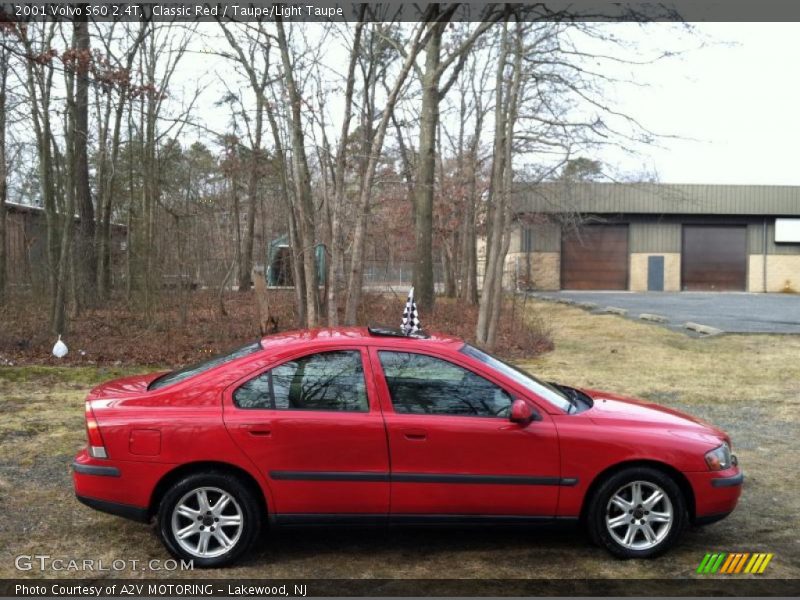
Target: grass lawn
749, 385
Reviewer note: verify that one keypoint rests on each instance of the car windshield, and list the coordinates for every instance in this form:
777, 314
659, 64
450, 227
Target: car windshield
192, 370
540, 388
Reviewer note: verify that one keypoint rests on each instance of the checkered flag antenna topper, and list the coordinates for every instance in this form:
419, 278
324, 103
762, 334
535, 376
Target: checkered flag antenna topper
411, 322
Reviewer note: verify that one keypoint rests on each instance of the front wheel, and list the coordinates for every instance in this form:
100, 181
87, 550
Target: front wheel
637, 513
211, 519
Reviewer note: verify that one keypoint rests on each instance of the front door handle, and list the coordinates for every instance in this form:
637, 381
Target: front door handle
260, 432
415, 435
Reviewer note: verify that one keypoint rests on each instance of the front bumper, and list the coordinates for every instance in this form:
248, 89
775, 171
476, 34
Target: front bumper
716, 493
732, 481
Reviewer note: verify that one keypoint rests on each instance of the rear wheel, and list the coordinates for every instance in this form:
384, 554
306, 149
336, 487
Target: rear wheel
209, 518
637, 513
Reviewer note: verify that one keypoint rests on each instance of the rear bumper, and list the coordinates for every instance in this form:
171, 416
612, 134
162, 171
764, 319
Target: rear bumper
134, 513
716, 494
122, 488
99, 470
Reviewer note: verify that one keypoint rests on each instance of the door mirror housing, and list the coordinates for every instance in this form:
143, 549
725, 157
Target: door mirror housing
522, 413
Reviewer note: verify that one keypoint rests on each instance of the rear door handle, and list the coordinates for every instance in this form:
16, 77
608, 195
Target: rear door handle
258, 429
415, 435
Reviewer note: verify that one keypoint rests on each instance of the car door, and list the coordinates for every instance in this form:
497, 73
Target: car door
454, 450
312, 425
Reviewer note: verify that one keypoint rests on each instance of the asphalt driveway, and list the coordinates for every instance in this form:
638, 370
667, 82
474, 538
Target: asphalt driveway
732, 312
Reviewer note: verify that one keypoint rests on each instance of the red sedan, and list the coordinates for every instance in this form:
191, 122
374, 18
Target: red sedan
370, 426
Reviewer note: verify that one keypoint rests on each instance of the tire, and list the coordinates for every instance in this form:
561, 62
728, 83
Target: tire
631, 525
218, 534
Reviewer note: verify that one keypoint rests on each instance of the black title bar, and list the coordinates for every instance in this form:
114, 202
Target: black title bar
298, 588
327, 11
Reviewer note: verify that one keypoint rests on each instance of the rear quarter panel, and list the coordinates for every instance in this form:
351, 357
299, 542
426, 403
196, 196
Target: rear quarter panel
188, 419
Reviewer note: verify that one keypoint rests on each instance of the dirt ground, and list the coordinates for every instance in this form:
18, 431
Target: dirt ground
749, 385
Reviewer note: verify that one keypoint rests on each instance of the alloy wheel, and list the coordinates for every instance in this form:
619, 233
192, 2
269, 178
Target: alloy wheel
639, 515
207, 522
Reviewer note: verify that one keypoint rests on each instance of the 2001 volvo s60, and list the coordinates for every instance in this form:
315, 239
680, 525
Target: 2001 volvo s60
369, 426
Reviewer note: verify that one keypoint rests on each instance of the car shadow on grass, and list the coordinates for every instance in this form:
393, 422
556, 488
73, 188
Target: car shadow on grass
410, 541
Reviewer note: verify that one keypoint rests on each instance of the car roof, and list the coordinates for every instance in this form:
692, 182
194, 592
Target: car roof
360, 335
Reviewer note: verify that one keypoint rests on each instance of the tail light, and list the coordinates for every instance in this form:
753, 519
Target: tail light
97, 449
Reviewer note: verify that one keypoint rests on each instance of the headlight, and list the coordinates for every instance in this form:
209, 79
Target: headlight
719, 459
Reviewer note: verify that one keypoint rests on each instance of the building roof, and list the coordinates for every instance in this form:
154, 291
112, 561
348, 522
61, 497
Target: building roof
39, 210
659, 198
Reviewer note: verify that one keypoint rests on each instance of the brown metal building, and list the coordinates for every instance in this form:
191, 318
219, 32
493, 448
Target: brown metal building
26, 246
657, 237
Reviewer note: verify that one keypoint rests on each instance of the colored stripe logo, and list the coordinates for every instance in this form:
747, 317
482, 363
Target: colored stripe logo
733, 563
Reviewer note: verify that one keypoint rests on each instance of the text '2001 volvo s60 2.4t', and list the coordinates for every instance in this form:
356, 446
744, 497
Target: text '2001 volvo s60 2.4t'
358, 425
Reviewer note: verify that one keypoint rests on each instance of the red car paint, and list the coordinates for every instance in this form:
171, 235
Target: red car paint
405, 464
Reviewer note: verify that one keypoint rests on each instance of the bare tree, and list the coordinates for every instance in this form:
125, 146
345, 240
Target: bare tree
4, 71
419, 38
255, 61
472, 107
506, 106
339, 174
433, 90
112, 95
86, 259
285, 188
72, 180
37, 47
160, 53
302, 183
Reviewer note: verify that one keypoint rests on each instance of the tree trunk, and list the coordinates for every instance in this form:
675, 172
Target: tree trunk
496, 216
448, 269
237, 218
298, 273
86, 257
64, 266
149, 182
267, 324
246, 263
423, 196
469, 249
105, 203
3, 173
470, 234
129, 215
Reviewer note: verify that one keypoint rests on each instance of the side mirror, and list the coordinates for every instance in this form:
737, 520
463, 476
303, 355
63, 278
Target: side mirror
522, 413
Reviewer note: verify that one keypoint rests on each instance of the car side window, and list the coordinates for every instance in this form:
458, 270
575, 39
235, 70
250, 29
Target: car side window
327, 381
422, 384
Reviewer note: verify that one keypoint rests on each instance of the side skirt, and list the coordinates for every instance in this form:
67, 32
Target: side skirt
317, 519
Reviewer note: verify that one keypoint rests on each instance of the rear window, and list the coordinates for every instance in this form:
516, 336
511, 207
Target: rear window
196, 369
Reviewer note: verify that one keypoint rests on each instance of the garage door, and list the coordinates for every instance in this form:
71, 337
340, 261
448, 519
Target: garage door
595, 258
714, 258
